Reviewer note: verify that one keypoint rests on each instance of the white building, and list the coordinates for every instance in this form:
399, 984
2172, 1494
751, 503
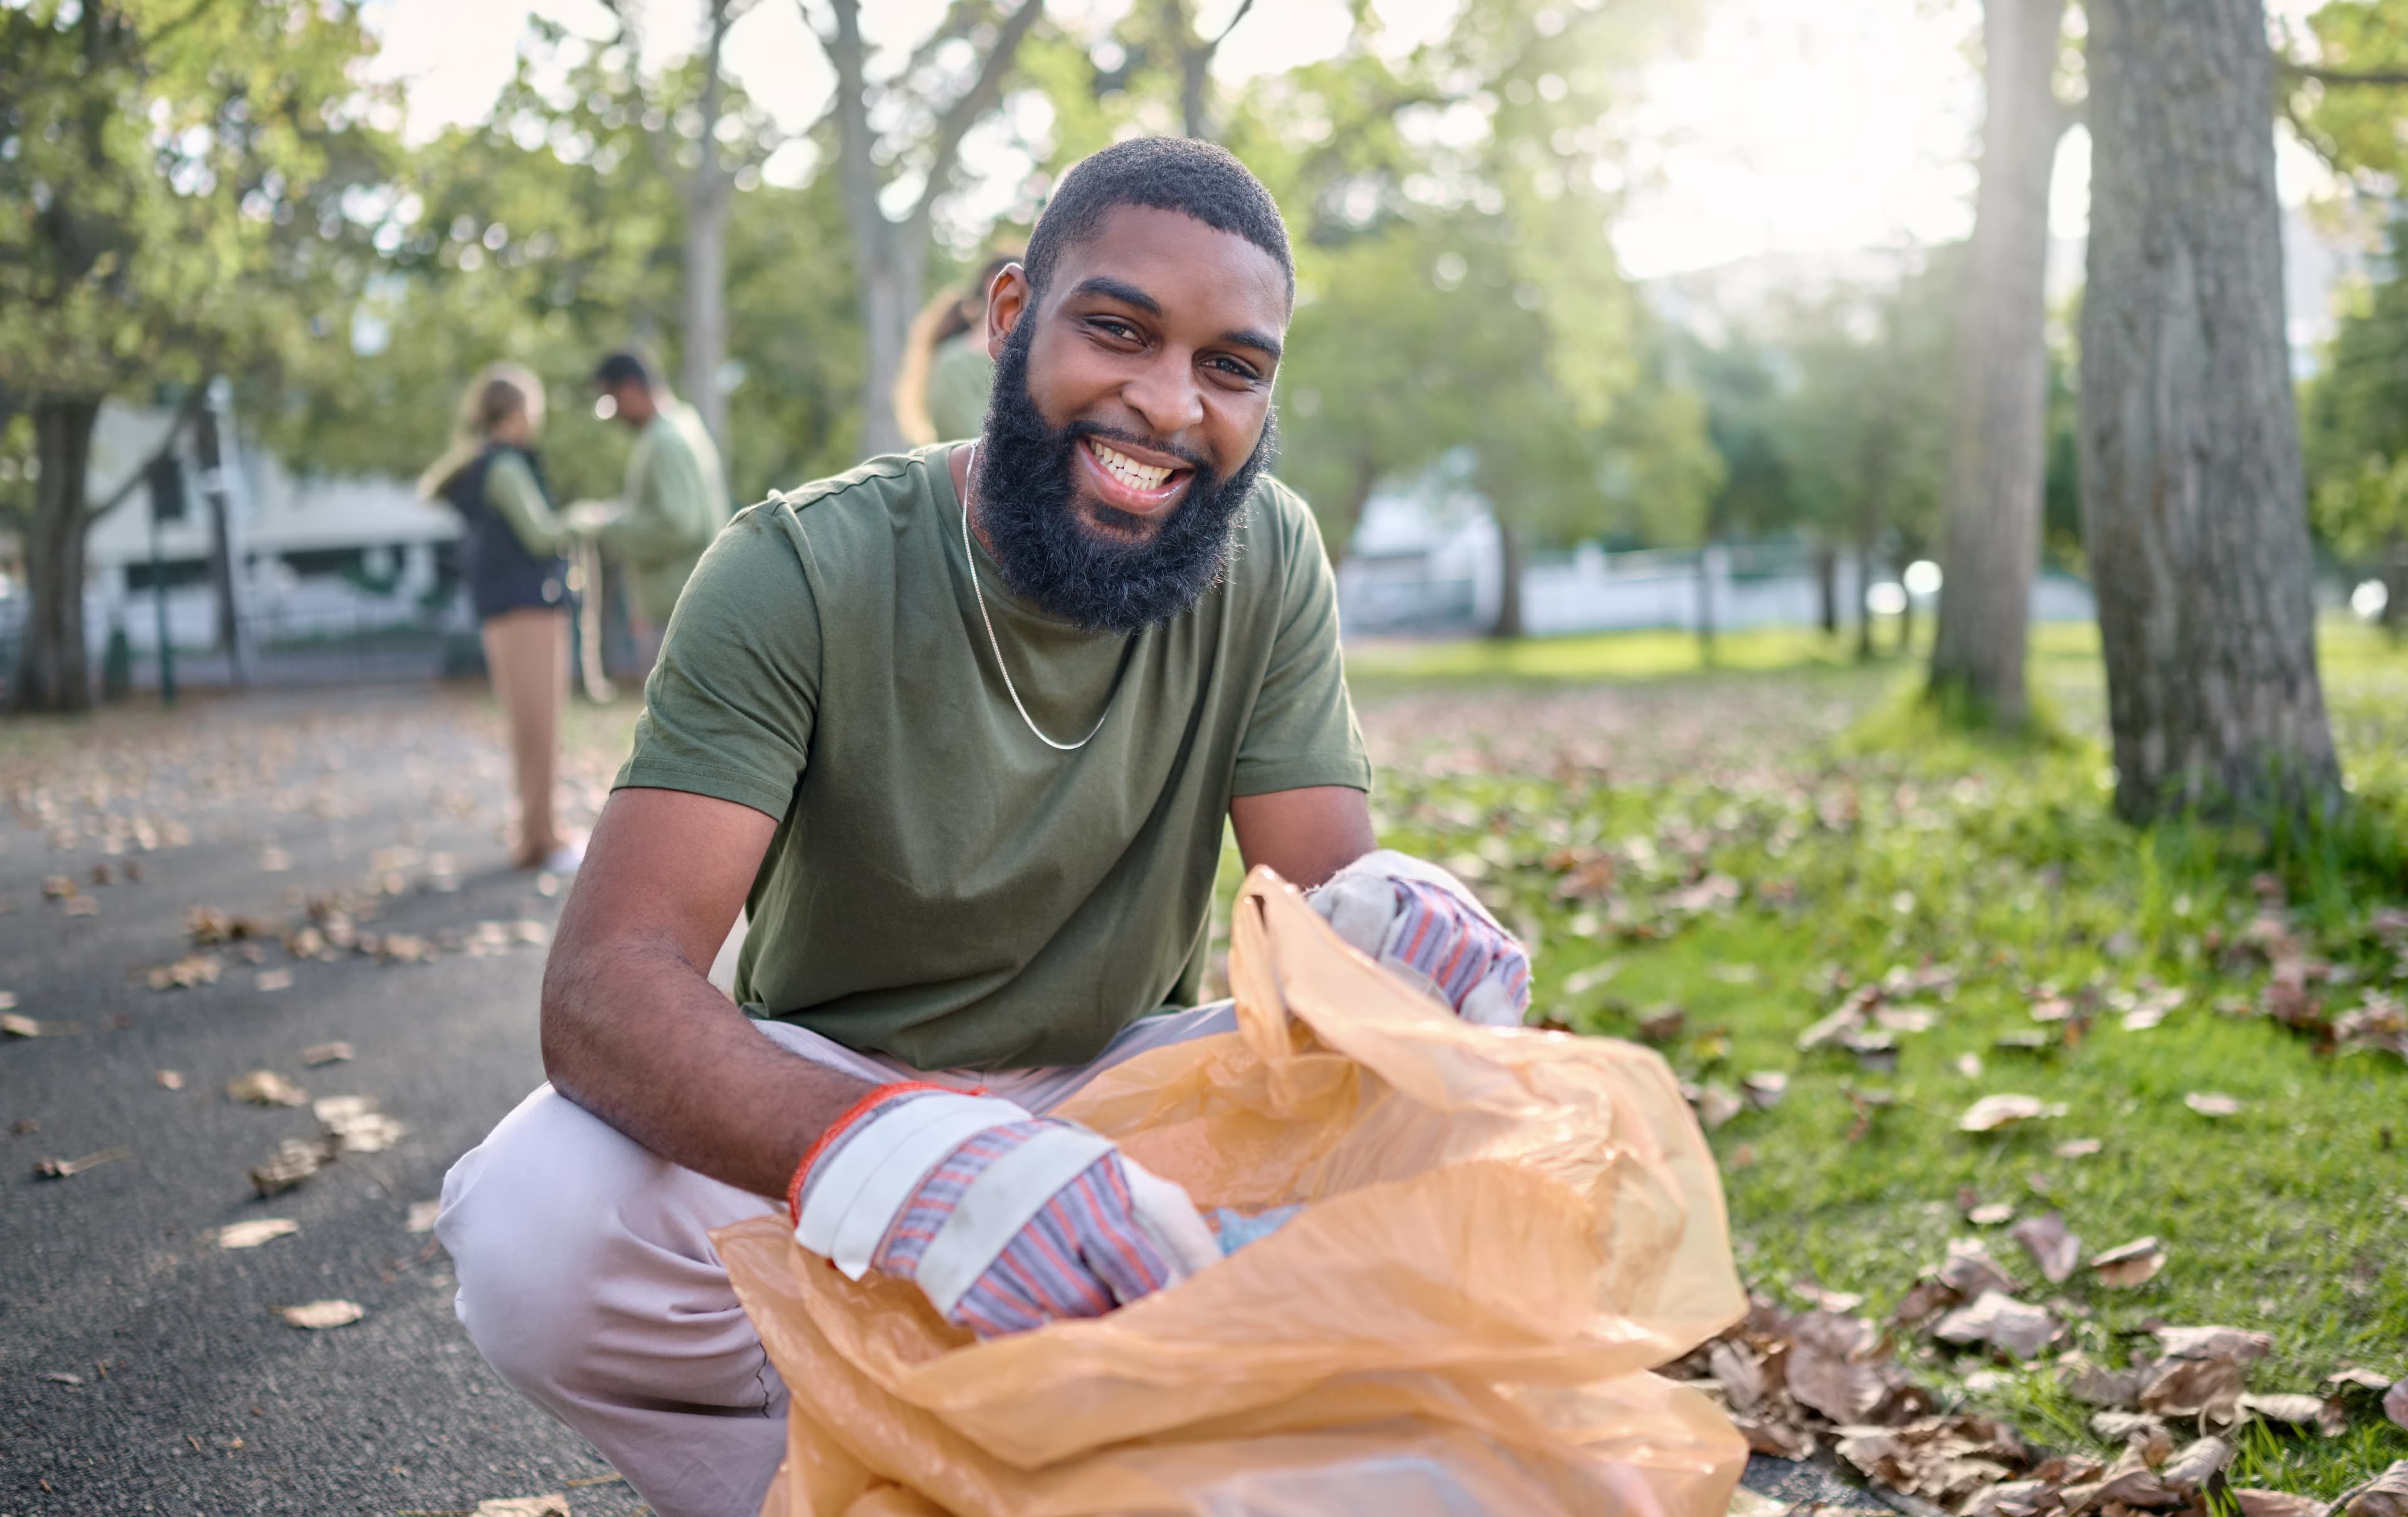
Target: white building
316, 560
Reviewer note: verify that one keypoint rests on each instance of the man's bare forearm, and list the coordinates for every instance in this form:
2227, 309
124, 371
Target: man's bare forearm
634, 1034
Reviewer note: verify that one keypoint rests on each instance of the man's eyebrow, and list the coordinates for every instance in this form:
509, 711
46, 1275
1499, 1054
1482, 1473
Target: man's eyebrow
1259, 341
1108, 288
1119, 289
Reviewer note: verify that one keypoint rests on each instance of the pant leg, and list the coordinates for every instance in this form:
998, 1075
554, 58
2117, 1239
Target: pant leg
589, 1282
527, 652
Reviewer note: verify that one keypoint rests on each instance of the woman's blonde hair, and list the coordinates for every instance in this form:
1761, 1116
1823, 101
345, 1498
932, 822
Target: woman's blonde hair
499, 392
940, 321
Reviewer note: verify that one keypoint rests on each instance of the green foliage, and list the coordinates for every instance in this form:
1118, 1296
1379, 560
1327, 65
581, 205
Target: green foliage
2354, 422
2355, 126
551, 234
178, 182
1865, 426
1457, 288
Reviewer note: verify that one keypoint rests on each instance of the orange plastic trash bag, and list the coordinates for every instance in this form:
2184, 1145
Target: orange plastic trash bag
1503, 1231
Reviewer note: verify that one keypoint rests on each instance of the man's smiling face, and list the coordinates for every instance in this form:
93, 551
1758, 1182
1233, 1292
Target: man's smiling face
1132, 412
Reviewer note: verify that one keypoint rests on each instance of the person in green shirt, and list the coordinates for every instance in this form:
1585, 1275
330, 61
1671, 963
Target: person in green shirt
675, 500
961, 729
947, 373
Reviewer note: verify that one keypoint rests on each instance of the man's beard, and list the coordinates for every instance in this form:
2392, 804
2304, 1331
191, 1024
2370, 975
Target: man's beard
1027, 506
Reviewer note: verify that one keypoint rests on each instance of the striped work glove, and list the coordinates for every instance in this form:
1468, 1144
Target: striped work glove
1421, 921
1004, 1220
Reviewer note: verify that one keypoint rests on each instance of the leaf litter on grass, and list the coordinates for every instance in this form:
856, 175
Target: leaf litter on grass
1598, 821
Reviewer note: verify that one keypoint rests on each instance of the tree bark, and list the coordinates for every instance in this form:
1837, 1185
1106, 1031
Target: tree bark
1999, 452
1509, 585
1706, 602
709, 192
1826, 588
52, 671
1864, 602
2395, 587
2192, 493
890, 256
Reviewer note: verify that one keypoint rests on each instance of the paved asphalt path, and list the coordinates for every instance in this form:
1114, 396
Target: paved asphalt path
142, 1369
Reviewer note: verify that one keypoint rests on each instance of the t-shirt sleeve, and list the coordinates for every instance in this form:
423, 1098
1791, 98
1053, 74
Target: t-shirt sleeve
511, 487
730, 704
1302, 731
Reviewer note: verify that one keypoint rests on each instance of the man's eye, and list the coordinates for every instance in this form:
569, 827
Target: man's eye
1231, 367
1115, 329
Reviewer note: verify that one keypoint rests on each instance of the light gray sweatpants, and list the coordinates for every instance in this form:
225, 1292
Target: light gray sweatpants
588, 1281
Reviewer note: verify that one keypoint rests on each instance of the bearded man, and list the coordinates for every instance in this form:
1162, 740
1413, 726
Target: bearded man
960, 729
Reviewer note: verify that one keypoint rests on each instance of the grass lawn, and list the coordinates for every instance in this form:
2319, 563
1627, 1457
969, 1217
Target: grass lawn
1746, 847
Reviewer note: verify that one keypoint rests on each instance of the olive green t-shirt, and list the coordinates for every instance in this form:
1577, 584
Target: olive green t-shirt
942, 886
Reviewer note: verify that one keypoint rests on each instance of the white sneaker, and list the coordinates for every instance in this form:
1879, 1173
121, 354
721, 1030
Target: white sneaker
565, 858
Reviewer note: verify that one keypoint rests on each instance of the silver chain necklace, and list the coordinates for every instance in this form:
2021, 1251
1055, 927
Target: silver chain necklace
969, 555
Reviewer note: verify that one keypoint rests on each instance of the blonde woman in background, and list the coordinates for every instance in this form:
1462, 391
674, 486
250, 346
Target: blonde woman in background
510, 545
941, 394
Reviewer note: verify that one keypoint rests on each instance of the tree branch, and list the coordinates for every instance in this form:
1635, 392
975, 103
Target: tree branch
194, 398
2380, 78
954, 124
1243, 6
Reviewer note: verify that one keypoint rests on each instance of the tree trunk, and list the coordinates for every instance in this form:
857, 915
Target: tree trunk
891, 257
708, 197
1509, 584
2394, 619
2192, 506
890, 293
1706, 603
1905, 616
1999, 452
1864, 602
53, 672
1826, 588
705, 345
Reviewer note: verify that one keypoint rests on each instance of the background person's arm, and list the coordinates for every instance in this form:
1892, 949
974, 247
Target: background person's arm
633, 1030
511, 487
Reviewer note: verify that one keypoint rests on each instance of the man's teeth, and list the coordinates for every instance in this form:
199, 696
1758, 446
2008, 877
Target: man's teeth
1127, 470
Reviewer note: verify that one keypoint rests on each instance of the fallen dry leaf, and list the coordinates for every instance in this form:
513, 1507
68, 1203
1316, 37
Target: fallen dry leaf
2080, 1148
2212, 1103
319, 1053
1836, 1366
295, 1160
2192, 1468
1970, 1065
2129, 1264
2328, 1417
2395, 1403
522, 1506
2386, 1496
1992, 1113
1970, 1271
2052, 1248
1764, 1088
322, 1313
1996, 1214
63, 1169
250, 1235
1717, 1104
2116, 1389
266, 1087
20, 1027
187, 972
356, 1125
423, 1215
2369, 1379
2257, 1503
2202, 1373
2002, 1321
170, 1079
275, 980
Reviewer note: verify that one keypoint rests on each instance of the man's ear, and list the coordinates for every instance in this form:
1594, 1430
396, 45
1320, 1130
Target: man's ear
1006, 301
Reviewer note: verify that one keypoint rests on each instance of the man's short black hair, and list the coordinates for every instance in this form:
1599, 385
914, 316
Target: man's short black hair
622, 368
1195, 178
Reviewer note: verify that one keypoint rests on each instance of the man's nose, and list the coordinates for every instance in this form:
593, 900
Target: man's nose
1166, 395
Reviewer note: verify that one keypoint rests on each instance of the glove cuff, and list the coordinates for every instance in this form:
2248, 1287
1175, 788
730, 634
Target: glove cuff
828, 1135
